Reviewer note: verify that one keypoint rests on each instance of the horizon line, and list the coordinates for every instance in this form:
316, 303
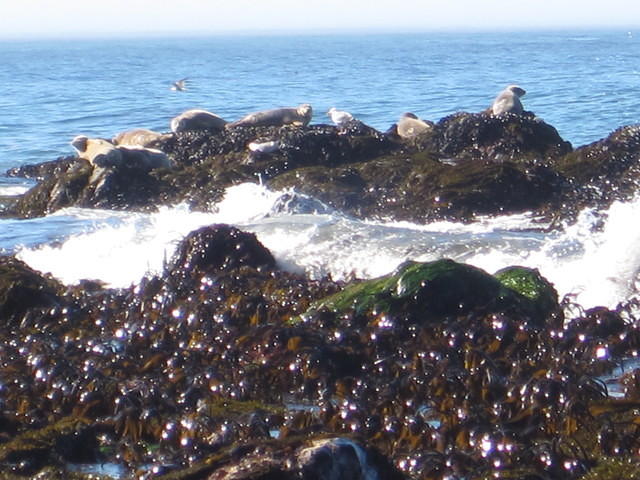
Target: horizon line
120, 35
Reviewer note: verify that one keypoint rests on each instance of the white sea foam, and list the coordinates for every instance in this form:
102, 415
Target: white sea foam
13, 190
598, 266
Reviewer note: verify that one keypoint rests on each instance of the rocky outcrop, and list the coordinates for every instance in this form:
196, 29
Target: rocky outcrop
24, 290
225, 367
465, 165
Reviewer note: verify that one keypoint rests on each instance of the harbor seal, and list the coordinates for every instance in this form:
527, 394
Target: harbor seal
96, 150
104, 154
196, 119
508, 100
144, 158
339, 117
410, 126
140, 137
277, 117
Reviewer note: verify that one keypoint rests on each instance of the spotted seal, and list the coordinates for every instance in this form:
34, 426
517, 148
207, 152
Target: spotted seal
139, 137
277, 117
196, 119
508, 101
96, 150
104, 154
410, 126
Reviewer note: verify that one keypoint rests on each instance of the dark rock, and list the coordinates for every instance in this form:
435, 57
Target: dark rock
22, 289
321, 459
507, 137
82, 185
468, 164
43, 170
213, 250
603, 171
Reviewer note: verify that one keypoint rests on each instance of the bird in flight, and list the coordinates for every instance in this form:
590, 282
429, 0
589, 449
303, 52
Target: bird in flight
179, 85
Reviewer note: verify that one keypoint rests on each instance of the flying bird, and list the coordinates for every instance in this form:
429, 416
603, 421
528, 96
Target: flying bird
179, 85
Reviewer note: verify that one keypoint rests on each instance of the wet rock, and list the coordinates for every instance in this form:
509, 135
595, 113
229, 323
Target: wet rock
321, 459
445, 288
40, 171
603, 171
212, 250
23, 289
466, 165
507, 137
65, 440
82, 185
530, 284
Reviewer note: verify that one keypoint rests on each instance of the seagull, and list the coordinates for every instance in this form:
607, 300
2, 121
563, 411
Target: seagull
179, 85
339, 117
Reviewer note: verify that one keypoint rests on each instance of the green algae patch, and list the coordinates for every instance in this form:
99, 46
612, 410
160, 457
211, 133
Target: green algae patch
530, 284
445, 287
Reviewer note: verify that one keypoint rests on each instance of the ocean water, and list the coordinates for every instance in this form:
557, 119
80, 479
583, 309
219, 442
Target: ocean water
583, 82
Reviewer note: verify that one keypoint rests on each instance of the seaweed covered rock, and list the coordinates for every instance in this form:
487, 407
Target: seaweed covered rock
211, 250
319, 459
23, 289
603, 171
80, 184
467, 164
506, 137
298, 146
530, 284
432, 290
43, 170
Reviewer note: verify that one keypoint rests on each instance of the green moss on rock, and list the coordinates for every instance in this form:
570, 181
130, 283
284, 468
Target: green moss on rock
445, 287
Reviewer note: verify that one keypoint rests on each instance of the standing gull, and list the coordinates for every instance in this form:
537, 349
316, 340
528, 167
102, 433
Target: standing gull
339, 117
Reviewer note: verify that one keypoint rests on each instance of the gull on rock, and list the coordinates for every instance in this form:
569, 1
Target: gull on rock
339, 117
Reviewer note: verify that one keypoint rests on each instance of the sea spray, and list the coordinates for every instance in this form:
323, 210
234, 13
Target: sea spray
594, 259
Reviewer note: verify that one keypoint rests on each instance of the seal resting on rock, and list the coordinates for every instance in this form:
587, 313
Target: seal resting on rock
410, 126
139, 137
144, 158
197, 120
277, 117
96, 150
508, 100
102, 153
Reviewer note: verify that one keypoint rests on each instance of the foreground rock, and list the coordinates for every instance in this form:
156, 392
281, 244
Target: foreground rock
22, 290
465, 165
225, 367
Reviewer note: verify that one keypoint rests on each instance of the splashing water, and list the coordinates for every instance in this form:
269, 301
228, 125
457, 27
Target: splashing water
597, 266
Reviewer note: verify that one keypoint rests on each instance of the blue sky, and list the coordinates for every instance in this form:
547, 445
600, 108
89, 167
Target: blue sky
63, 18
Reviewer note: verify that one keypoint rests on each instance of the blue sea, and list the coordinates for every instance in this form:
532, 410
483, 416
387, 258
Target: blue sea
585, 83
